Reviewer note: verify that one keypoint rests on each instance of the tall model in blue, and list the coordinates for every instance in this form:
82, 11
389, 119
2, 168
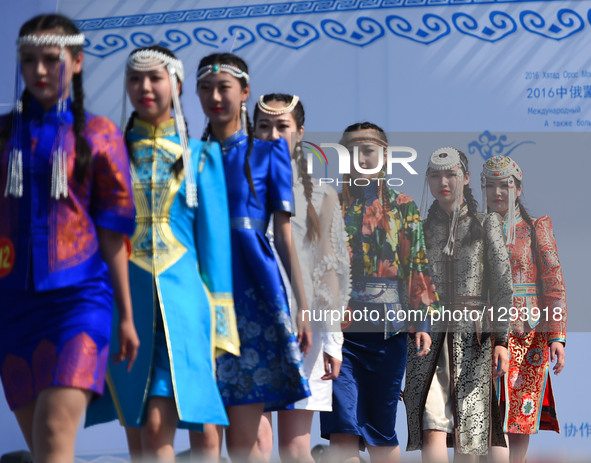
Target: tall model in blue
258, 177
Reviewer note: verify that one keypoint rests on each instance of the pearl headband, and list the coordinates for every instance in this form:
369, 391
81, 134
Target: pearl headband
150, 60
217, 68
265, 108
46, 40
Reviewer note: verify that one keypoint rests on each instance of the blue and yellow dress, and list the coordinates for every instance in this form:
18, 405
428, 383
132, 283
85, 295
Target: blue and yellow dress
269, 369
56, 304
181, 286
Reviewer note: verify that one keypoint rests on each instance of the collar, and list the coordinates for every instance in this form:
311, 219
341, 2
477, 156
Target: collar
440, 214
36, 111
233, 140
145, 129
369, 192
518, 219
517, 213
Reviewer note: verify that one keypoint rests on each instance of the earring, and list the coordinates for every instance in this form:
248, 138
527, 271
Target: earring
243, 116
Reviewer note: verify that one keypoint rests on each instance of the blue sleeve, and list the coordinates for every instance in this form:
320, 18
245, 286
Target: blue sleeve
280, 187
112, 204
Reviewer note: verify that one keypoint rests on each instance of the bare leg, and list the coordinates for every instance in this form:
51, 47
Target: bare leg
241, 435
159, 430
465, 458
344, 448
434, 446
265, 436
294, 436
24, 416
518, 444
134, 443
499, 454
58, 413
206, 446
388, 454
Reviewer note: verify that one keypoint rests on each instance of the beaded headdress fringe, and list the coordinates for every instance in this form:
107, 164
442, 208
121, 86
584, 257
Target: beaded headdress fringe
59, 158
149, 60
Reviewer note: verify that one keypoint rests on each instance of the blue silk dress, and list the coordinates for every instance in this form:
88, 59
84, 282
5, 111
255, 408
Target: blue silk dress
269, 369
56, 304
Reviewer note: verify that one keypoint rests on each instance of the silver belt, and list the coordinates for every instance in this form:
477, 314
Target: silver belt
248, 223
375, 290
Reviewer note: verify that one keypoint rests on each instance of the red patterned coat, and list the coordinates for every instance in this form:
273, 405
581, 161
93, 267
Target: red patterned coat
527, 390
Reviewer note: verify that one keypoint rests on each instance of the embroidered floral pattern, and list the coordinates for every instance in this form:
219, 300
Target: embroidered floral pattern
378, 251
528, 406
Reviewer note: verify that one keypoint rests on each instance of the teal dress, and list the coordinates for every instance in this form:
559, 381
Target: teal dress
180, 284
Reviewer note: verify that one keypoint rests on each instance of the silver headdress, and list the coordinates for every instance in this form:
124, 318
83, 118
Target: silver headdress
150, 60
500, 167
59, 171
445, 159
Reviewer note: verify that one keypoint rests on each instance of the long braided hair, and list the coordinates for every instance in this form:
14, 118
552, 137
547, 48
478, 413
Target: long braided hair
346, 198
232, 59
476, 229
177, 167
534, 239
299, 116
46, 22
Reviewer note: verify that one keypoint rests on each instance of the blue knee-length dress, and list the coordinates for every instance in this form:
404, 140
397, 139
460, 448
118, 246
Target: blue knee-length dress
269, 368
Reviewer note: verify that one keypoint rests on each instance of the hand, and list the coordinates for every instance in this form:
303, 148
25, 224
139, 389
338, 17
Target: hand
304, 333
500, 361
557, 355
332, 367
423, 343
128, 344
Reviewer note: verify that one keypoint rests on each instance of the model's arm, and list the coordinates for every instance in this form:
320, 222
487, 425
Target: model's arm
554, 291
331, 280
289, 259
421, 290
114, 252
500, 289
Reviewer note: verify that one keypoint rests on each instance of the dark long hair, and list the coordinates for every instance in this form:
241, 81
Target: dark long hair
177, 167
475, 225
299, 117
232, 59
346, 199
534, 238
46, 22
